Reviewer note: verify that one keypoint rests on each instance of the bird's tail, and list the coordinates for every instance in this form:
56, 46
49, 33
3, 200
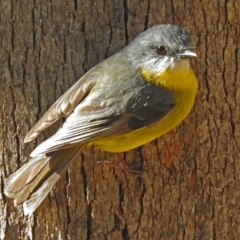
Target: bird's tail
33, 181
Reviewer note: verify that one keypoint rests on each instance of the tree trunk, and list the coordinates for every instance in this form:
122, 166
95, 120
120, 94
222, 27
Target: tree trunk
192, 190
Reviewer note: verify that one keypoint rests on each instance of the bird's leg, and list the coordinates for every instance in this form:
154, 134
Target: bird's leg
128, 168
123, 165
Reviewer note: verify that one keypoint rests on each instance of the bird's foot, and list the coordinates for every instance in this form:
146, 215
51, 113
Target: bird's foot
122, 165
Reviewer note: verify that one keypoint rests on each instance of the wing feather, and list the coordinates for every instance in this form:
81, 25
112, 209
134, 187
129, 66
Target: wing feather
63, 106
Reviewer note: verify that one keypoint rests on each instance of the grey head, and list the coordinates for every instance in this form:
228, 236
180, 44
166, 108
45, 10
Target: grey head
159, 47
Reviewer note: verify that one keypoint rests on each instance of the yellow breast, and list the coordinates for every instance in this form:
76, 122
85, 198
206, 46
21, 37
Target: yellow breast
183, 85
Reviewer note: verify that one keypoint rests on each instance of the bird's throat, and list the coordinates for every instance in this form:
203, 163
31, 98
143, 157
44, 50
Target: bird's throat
177, 77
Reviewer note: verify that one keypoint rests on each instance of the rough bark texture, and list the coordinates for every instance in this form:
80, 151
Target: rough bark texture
193, 189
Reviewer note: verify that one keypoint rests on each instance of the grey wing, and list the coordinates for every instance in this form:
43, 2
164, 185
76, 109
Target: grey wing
63, 106
104, 113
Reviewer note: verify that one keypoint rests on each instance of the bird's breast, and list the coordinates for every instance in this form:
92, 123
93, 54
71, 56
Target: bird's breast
183, 86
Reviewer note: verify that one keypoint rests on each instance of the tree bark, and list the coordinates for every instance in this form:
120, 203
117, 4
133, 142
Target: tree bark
192, 190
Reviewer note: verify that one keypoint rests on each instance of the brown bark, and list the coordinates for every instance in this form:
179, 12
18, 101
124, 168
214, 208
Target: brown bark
193, 189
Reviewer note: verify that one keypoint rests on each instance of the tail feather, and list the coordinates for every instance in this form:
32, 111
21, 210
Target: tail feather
19, 180
32, 183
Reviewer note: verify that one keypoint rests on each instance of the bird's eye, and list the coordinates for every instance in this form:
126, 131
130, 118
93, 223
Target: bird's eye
161, 50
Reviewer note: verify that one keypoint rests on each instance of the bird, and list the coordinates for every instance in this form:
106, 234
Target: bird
127, 100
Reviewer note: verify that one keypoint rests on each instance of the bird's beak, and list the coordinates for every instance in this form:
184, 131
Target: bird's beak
186, 54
